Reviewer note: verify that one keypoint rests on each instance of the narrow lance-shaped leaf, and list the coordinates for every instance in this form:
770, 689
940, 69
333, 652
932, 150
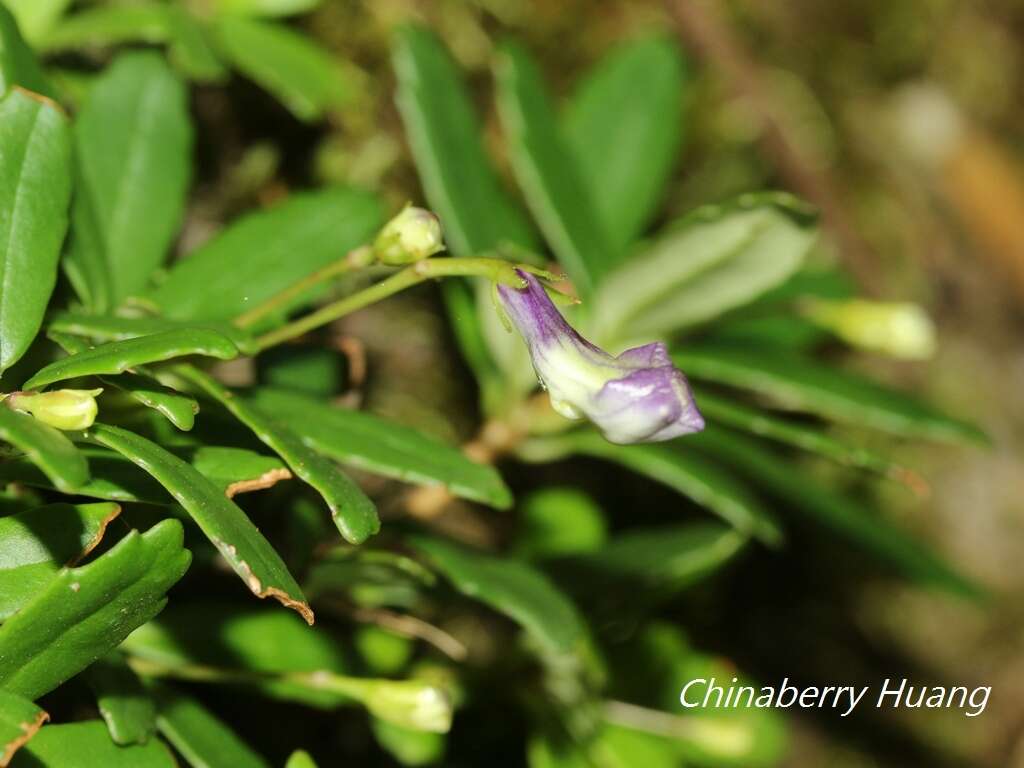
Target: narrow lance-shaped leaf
691, 475
547, 173
232, 533
85, 612
20, 720
202, 738
844, 516
126, 708
179, 409
117, 478
18, 64
510, 587
303, 76
35, 189
368, 442
37, 543
118, 356
117, 328
624, 126
354, 514
796, 382
46, 448
133, 145
69, 743
265, 252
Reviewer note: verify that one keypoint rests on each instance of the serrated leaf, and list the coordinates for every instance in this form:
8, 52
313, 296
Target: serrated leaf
37, 543
797, 382
546, 172
118, 356
177, 408
624, 126
704, 482
133, 144
265, 252
46, 448
117, 328
371, 443
510, 587
18, 64
20, 720
126, 708
352, 511
303, 76
713, 260
445, 136
265, 642
69, 744
202, 739
845, 517
231, 532
733, 413
85, 612
35, 189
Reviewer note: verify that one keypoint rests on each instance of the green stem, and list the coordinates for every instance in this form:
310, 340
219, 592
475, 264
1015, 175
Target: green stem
356, 259
494, 269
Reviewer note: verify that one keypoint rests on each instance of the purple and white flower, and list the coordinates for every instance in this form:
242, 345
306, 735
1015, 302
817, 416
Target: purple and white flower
635, 397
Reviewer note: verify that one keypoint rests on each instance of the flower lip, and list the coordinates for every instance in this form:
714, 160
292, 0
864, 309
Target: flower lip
637, 396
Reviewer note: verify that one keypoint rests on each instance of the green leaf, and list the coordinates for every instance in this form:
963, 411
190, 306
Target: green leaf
114, 477
353, 513
802, 493
445, 136
306, 78
118, 356
559, 521
126, 708
116, 328
20, 720
269, 643
202, 739
85, 612
18, 64
178, 409
510, 587
266, 7
37, 17
108, 25
36, 543
35, 189
368, 442
231, 532
547, 173
796, 382
732, 413
713, 260
668, 558
46, 448
133, 144
265, 252
71, 744
704, 482
624, 127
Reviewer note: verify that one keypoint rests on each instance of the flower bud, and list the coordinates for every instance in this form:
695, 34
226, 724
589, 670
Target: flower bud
897, 329
413, 234
70, 409
410, 704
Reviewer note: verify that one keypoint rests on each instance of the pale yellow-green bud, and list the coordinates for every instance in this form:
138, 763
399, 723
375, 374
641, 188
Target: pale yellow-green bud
410, 704
69, 409
898, 329
413, 234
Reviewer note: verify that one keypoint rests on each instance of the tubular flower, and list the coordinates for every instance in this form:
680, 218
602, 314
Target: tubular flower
636, 397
